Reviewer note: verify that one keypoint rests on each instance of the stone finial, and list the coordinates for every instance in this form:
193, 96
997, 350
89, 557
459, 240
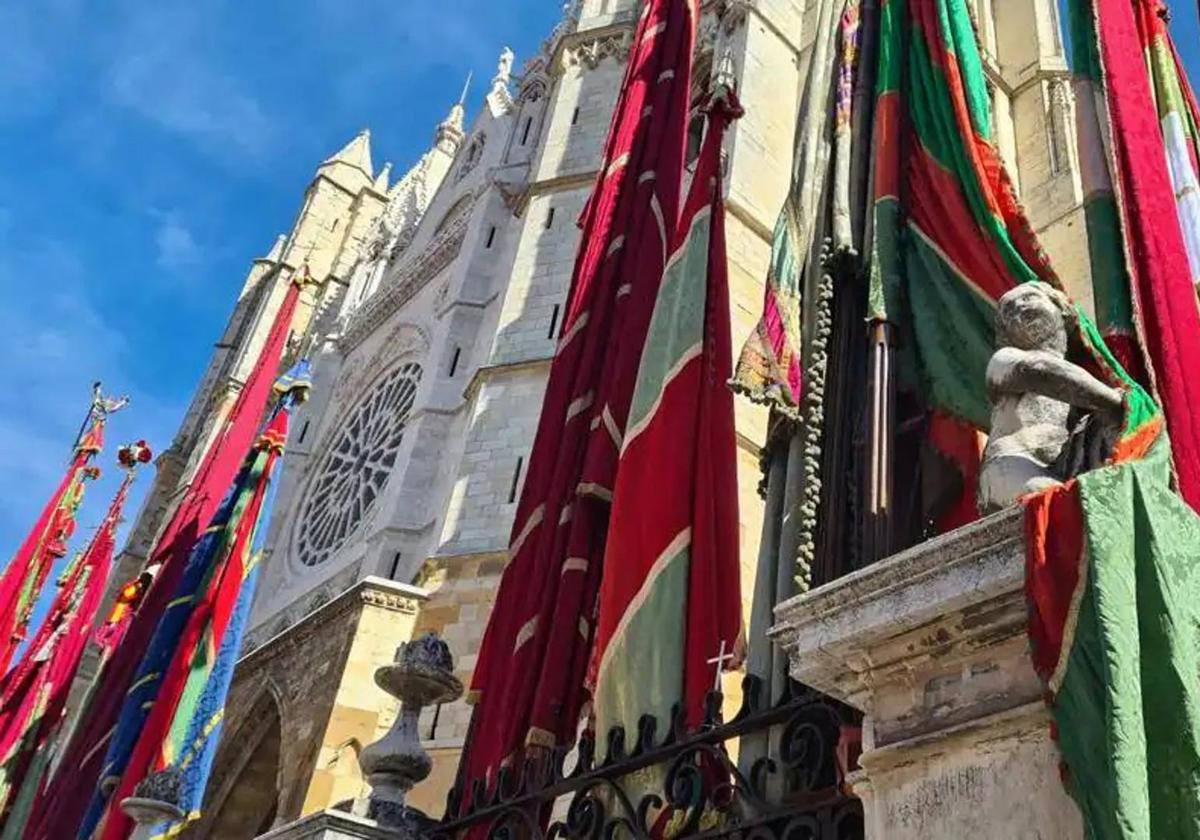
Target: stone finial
450, 130
156, 799
381, 180
1039, 437
421, 675
499, 98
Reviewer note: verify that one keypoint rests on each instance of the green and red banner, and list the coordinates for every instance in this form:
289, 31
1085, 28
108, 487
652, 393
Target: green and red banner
173, 712
1114, 595
670, 598
950, 235
1112, 580
60, 810
1137, 128
529, 680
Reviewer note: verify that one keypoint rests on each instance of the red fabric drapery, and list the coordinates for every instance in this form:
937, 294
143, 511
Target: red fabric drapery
529, 677
1164, 298
34, 693
46, 542
672, 558
60, 809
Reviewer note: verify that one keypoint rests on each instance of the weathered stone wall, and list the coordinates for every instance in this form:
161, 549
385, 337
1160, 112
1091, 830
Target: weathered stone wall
315, 683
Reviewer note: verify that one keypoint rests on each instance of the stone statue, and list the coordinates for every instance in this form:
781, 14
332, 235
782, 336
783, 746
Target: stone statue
1051, 419
504, 67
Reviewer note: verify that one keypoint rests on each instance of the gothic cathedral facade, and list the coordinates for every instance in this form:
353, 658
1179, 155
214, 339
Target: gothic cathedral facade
431, 331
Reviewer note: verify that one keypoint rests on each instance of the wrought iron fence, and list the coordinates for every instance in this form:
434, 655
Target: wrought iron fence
683, 784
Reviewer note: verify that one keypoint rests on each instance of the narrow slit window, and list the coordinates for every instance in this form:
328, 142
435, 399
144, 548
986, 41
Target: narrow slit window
491, 237
525, 132
553, 321
575, 117
303, 432
396, 558
454, 360
550, 218
516, 480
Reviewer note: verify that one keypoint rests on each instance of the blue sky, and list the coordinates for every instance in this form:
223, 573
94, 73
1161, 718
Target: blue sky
151, 150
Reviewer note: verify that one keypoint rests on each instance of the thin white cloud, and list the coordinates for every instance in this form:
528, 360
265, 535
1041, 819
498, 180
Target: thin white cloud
177, 248
177, 90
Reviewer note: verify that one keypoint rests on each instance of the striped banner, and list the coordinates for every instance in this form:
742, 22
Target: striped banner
670, 599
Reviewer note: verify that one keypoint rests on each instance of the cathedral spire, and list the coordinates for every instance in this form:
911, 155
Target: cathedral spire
351, 166
276, 252
381, 182
450, 130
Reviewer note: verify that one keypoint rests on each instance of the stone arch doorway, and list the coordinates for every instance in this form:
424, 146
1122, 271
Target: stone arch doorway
248, 802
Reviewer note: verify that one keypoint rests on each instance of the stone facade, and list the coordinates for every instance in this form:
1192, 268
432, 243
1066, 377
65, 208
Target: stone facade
432, 331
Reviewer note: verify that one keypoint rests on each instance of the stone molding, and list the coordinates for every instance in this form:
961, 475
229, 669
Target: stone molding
410, 279
370, 591
910, 591
829, 632
485, 373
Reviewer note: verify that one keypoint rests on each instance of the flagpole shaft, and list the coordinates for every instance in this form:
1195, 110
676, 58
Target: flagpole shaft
879, 513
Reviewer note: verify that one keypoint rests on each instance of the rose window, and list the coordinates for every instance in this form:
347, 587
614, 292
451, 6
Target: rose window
354, 471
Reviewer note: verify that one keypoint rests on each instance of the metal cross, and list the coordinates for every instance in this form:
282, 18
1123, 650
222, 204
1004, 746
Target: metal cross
719, 660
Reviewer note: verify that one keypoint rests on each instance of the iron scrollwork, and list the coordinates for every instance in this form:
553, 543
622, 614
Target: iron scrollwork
682, 784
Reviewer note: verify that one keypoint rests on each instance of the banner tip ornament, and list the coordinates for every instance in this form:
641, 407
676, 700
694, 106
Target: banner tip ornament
296, 382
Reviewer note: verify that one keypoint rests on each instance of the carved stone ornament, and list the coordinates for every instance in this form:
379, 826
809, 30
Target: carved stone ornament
156, 799
399, 287
589, 52
422, 675
733, 13
1051, 419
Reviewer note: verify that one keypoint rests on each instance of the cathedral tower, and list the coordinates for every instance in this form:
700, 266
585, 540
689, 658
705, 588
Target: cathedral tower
341, 203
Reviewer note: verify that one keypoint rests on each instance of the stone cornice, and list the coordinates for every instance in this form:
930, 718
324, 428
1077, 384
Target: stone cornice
491, 371
954, 591
371, 591
739, 211
462, 557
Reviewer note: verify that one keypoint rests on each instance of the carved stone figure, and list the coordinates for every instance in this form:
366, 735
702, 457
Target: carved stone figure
1051, 419
504, 66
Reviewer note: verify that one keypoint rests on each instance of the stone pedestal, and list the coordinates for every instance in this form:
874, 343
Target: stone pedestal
931, 646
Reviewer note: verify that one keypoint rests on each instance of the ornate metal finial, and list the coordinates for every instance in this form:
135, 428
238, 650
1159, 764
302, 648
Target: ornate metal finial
103, 406
422, 675
462, 97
